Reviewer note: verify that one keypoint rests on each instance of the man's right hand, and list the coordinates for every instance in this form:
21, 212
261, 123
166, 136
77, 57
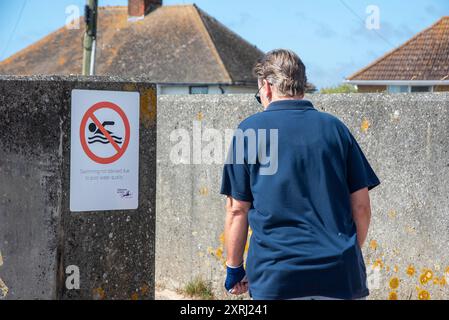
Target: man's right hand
236, 282
240, 288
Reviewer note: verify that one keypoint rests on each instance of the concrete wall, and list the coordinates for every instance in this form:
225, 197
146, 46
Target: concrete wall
405, 137
39, 237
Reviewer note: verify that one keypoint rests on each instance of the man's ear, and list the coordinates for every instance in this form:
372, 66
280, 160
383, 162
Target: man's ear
268, 91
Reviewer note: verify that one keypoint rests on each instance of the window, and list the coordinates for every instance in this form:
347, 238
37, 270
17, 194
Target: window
421, 89
398, 89
406, 89
199, 90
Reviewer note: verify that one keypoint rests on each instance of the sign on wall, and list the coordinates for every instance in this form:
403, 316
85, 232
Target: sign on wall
104, 156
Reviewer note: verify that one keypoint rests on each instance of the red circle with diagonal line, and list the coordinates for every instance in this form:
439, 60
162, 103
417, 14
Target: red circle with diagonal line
90, 115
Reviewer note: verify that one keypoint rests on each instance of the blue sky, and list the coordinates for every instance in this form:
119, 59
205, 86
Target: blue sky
329, 35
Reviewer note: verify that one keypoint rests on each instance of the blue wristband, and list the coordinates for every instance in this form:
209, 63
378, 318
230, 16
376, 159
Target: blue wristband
234, 276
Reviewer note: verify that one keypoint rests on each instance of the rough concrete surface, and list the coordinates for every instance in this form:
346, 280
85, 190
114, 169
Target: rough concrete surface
39, 237
404, 136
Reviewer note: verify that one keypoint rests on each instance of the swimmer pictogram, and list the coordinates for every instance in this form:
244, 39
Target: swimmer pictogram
102, 133
99, 137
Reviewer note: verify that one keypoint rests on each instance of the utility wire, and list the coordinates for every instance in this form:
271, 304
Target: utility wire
363, 22
14, 29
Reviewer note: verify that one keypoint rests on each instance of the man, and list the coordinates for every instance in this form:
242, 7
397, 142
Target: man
311, 216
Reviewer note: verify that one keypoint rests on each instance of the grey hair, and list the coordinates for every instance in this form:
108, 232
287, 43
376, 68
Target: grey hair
284, 70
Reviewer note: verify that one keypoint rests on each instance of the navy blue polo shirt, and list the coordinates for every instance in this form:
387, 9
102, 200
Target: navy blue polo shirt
304, 240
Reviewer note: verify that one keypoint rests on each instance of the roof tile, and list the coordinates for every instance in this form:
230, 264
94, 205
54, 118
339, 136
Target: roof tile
423, 57
173, 44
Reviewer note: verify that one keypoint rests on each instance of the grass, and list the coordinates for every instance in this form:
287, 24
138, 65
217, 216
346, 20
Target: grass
198, 288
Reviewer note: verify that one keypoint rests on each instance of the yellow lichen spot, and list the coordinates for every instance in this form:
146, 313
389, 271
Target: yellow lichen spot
387, 268
222, 238
423, 279
378, 264
3, 289
219, 253
200, 116
426, 276
424, 295
392, 214
410, 229
145, 289
439, 281
395, 269
373, 244
447, 270
148, 106
134, 296
411, 270
99, 294
393, 296
365, 125
204, 191
443, 281
394, 283
148, 103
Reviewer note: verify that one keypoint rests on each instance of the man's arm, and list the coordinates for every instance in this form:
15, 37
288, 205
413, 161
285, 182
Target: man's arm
236, 230
361, 213
236, 233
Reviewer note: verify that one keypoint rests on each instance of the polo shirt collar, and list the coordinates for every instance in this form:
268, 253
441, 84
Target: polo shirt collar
290, 105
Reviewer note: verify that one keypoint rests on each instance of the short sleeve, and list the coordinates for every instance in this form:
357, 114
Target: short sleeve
360, 175
236, 177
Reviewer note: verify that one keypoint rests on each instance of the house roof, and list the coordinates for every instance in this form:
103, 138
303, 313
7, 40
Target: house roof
423, 57
173, 44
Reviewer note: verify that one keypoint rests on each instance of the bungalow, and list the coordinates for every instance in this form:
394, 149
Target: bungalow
419, 65
181, 48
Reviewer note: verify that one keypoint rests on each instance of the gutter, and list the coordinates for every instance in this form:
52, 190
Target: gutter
399, 82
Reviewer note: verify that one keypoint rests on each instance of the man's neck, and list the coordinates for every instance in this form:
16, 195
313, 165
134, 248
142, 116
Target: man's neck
274, 99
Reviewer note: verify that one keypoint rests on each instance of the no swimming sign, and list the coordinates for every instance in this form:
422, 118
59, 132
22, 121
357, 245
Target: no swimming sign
104, 156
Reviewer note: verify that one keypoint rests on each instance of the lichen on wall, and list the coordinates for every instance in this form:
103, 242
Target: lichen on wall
3, 288
403, 136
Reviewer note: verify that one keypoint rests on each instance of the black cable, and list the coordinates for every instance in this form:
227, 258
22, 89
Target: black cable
363, 21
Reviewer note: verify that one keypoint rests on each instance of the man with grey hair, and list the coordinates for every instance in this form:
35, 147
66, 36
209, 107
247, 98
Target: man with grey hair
310, 218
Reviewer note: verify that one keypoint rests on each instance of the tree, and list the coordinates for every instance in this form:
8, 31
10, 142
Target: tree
343, 88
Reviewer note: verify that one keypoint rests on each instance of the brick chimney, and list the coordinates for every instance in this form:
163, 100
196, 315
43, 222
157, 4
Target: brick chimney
140, 8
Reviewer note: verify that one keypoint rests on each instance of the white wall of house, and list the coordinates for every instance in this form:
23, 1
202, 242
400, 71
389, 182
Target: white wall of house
210, 89
403, 86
